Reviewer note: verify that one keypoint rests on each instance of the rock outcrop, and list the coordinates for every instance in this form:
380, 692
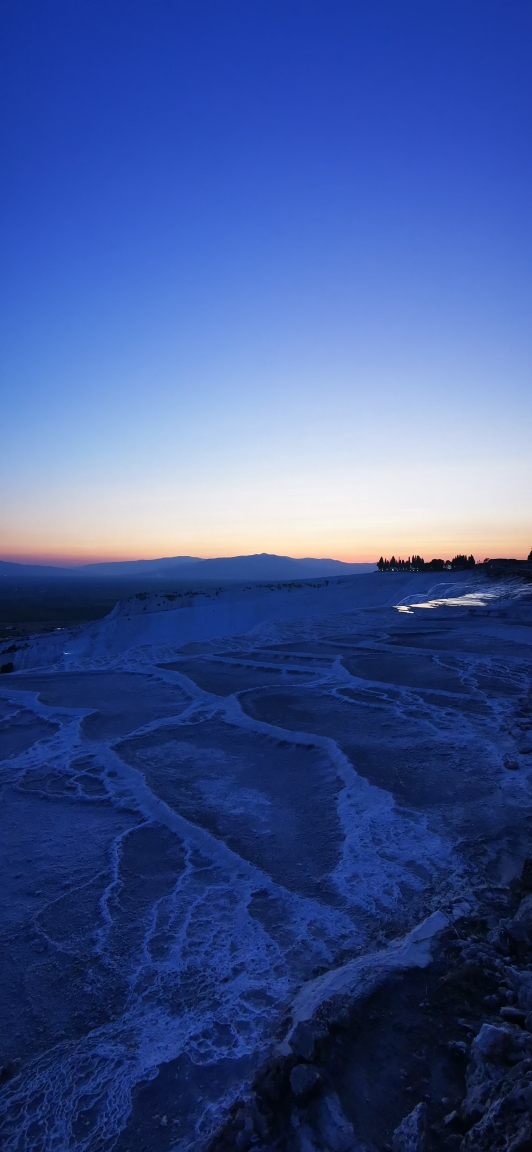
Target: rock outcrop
470, 1039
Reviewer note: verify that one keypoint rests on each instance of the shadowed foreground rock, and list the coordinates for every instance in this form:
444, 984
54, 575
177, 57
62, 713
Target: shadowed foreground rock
309, 1097
411, 1135
304, 1079
499, 1091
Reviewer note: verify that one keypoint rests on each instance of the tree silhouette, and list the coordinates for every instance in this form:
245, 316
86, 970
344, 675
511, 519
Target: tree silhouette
416, 563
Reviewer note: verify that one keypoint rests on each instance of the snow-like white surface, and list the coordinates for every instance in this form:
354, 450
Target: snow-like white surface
179, 618
207, 799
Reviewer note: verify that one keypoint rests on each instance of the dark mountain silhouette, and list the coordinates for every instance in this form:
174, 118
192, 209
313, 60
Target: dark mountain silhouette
262, 566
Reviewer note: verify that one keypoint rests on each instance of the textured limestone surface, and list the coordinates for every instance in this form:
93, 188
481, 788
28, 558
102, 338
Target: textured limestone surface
218, 809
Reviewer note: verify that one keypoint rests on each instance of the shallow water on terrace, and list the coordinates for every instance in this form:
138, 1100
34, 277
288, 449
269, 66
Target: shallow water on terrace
225, 677
467, 594
20, 730
179, 861
273, 803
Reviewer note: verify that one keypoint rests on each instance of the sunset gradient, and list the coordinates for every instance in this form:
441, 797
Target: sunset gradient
267, 278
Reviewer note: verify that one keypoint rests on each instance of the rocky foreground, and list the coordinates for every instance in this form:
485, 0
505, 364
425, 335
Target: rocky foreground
436, 1057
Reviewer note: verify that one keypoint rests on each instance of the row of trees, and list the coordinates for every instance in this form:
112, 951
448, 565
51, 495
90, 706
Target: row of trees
460, 563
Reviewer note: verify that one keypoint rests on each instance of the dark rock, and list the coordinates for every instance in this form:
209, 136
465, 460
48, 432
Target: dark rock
506, 1125
512, 765
494, 1044
271, 1080
9, 667
521, 981
334, 1129
307, 1140
515, 1015
303, 1040
411, 1135
497, 938
520, 928
304, 1079
246, 1136
240, 1117
299, 1111
526, 875
260, 1123
489, 1052
452, 1143
490, 1075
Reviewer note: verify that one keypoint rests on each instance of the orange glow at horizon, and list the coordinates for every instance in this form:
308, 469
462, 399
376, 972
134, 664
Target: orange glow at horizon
306, 508
501, 545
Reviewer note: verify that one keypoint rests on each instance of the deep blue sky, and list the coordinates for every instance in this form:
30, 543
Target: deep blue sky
266, 277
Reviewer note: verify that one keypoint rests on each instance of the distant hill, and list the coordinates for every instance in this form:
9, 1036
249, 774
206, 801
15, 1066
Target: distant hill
262, 566
265, 566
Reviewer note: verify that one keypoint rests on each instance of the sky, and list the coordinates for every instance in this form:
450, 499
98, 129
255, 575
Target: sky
266, 275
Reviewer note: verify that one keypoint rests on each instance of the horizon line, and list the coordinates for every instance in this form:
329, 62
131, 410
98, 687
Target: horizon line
53, 561
48, 561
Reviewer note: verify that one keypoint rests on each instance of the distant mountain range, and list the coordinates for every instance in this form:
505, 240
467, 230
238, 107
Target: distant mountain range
262, 566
